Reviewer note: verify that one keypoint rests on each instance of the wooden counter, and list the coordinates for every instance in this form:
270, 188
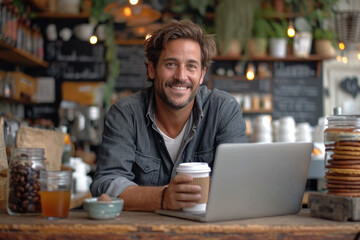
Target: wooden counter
143, 225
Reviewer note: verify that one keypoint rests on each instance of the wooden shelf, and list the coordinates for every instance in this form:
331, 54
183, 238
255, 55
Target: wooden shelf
268, 58
55, 15
12, 100
11, 54
133, 41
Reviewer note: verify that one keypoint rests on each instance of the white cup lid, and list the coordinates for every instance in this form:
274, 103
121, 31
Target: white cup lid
193, 167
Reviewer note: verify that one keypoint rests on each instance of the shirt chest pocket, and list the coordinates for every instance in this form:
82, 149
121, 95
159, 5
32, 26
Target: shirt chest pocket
204, 156
146, 170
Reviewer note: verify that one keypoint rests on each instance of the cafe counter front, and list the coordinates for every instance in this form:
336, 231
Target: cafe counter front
149, 225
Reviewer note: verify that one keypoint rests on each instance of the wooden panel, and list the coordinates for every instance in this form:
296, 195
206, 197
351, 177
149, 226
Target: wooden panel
147, 225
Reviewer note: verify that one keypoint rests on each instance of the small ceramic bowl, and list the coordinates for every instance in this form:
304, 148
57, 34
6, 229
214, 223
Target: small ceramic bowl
103, 209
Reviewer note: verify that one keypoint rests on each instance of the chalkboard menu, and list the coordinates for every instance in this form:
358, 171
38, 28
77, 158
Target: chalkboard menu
132, 68
76, 60
297, 92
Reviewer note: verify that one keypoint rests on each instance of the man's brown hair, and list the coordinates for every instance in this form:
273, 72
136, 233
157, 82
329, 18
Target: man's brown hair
183, 29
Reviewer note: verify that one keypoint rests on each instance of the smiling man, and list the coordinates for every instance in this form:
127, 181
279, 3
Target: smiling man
148, 134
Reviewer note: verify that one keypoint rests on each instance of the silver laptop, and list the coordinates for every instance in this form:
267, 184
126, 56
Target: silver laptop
251, 180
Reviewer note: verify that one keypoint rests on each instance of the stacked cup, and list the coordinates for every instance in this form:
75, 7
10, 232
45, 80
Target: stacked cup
303, 132
286, 131
262, 130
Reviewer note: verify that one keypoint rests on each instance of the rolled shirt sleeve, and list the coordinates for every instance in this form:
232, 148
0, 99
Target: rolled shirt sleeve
116, 153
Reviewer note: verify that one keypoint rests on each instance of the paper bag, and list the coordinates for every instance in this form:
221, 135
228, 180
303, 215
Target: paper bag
51, 141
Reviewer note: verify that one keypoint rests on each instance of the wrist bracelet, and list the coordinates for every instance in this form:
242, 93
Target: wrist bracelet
162, 197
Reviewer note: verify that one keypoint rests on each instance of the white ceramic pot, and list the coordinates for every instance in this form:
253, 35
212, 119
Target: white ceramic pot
68, 6
302, 44
278, 47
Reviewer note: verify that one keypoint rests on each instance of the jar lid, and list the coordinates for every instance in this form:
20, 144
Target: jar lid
28, 153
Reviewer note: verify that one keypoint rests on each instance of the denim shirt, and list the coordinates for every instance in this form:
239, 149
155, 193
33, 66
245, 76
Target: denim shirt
133, 152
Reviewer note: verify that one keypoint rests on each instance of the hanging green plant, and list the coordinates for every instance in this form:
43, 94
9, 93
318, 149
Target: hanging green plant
98, 16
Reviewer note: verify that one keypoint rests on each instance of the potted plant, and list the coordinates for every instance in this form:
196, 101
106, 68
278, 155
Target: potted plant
324, 35
194, 10
302, 41
233, 25
324, 42
260, 38
318, 13
278, 38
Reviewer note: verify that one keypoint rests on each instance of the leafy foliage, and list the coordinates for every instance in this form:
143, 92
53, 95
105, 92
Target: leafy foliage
99, 16
234, 21
278, 29
317, 14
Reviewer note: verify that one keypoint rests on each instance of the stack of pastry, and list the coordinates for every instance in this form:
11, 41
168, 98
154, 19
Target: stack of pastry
343, 175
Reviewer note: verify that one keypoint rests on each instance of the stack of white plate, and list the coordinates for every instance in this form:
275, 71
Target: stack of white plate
286, 131
262, 130
303, 132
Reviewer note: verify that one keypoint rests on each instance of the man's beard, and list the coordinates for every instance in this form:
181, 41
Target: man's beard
173, 105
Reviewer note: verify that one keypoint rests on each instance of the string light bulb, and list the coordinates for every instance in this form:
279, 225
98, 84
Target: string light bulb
338, 58
291, 30
341, 46
344, 60
133, 2
147, 36
93, 39
250, 72
127, 11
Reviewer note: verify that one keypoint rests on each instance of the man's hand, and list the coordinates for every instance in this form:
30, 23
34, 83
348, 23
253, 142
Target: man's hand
181, 193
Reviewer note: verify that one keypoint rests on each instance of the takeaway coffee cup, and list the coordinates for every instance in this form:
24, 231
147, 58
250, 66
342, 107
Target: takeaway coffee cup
201, 176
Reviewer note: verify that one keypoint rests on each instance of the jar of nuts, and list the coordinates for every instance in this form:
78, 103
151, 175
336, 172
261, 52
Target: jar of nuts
23, 179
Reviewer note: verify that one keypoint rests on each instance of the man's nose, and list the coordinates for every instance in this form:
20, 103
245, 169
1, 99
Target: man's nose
181, 73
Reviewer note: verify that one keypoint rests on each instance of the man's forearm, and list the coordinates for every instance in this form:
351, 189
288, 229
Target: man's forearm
142, 198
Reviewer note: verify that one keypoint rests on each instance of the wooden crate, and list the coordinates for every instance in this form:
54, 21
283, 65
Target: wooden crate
24, 86
334, 207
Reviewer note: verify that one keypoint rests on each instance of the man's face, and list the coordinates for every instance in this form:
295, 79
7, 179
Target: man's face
178, 74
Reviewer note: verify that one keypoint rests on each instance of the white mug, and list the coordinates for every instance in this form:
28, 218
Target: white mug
84, 31
65, 34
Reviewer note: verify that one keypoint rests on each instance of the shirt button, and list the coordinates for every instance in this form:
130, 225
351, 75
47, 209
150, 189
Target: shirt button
160, 141
147, 168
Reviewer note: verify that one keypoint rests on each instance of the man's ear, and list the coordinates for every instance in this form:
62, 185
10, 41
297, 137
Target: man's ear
151, 70
203, 72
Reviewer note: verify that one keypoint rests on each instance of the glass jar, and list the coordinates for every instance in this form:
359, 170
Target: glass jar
341, 130
23, 178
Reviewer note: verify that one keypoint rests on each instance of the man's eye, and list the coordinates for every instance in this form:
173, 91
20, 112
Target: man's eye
170, 65
192, 66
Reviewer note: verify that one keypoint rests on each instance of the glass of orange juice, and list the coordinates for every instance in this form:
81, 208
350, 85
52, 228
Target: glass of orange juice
55, 193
